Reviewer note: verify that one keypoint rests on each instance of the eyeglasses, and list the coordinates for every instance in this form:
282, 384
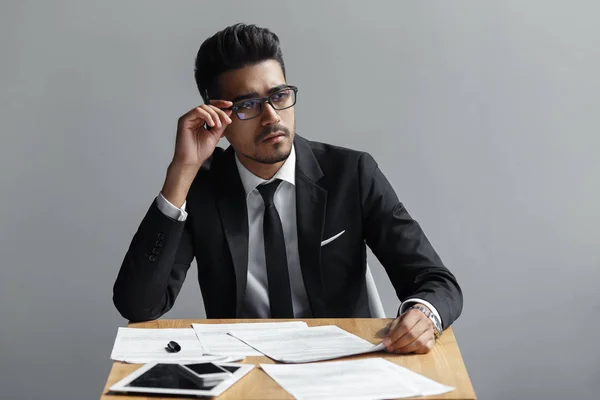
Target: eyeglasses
252, 108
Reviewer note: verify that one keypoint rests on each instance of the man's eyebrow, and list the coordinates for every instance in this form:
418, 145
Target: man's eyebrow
244, 96
253, 95
277, 88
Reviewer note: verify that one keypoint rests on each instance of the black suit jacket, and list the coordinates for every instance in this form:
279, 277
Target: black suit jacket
336, 189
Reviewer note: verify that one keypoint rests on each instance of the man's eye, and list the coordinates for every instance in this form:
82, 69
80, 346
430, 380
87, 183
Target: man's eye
281, 95
248, 105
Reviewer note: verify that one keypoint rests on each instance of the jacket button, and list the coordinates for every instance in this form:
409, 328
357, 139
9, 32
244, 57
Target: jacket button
159, 243
161, 236
152, 258
155, 251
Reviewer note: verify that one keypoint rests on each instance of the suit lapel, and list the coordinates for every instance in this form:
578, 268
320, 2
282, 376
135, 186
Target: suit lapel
311, 202
234, 218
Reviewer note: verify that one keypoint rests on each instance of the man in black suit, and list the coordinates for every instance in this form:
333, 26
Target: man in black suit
278, 224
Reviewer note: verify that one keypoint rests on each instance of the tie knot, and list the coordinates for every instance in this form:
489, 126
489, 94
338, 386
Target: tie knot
267, 191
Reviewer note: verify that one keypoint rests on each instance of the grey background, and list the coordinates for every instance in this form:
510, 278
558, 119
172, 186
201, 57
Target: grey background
484, 116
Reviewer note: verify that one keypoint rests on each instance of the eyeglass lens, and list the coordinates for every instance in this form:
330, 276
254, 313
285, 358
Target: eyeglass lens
252, 108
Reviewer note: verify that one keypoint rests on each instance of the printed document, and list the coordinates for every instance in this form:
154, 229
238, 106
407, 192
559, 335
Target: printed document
214, 338
141, 346
369, 378
307, 345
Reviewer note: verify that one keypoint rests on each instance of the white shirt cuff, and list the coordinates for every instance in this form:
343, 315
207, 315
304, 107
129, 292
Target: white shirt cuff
407, 303
170, 210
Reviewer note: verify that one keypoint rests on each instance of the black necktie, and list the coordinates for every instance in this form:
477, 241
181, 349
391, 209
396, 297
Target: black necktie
280, 294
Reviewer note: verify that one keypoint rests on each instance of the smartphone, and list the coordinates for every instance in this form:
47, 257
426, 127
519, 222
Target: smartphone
208, 373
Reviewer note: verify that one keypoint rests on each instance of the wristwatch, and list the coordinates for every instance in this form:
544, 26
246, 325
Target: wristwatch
437, 326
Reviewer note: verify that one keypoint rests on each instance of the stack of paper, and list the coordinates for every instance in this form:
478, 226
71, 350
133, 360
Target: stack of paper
306, 345
214, 338
370, 378
140, 346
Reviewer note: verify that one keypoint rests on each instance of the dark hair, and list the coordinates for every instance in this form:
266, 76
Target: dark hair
232, 48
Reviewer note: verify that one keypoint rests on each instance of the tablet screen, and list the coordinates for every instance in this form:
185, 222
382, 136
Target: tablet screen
168, 376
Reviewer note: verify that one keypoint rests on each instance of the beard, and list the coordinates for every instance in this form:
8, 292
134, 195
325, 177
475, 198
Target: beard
271, 159
279, 153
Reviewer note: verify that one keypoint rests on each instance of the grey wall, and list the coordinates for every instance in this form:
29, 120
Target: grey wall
484, 116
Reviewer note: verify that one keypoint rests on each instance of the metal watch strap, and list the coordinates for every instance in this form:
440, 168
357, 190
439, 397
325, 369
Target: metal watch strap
437, 326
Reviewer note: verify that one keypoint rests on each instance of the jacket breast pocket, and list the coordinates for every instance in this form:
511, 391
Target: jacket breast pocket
332, 238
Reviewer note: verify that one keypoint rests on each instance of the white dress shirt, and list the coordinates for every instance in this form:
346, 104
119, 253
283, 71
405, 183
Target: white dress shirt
256, 302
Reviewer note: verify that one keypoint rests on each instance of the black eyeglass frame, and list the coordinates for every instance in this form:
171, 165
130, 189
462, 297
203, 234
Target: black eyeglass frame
262, 100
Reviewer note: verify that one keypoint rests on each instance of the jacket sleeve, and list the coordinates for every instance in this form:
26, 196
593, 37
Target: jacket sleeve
399, 243
154, 267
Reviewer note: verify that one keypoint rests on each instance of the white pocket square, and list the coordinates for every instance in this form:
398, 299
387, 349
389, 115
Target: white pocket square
331, 239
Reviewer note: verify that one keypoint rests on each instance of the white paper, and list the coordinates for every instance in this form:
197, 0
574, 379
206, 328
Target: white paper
215, 339
370, 378
141, 346
307, 345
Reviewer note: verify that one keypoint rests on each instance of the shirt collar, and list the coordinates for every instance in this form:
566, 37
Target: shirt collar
287, 173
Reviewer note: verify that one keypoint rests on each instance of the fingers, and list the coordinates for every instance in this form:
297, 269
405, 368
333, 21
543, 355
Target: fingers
196, 116
212, 114
427, 348
404, 324
218, 115
215, 121
411, 332
221, 103
422, 345
392, 325
223, 114
409, 338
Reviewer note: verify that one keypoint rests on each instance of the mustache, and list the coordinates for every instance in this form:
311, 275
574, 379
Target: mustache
266, 131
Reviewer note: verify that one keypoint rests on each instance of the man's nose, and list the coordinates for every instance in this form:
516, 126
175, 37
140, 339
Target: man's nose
269, 115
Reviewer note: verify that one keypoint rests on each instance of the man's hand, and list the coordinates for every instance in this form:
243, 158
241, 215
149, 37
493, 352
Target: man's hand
193, 146
411, 332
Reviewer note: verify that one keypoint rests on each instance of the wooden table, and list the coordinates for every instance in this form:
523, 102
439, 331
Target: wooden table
443, 364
